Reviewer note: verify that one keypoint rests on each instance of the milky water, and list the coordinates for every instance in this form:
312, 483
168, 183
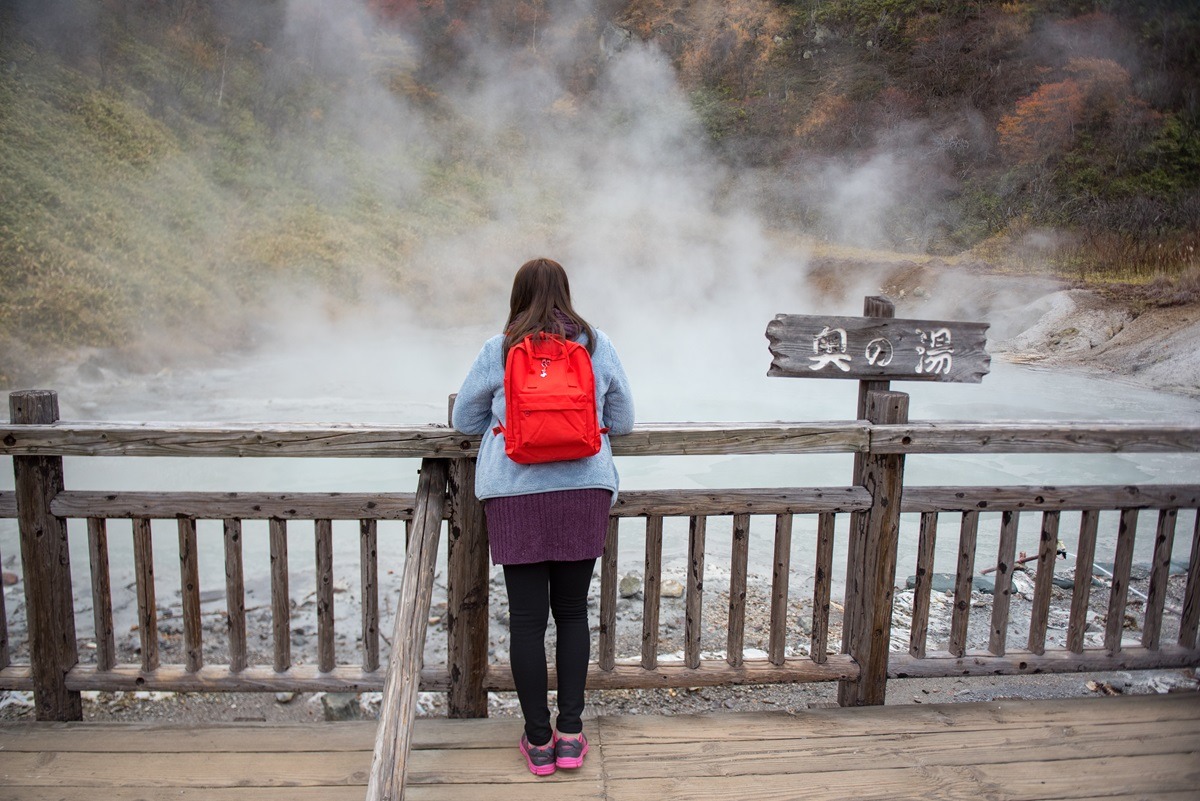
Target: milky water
405, 377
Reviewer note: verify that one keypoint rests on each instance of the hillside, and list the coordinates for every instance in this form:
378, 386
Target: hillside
173, 170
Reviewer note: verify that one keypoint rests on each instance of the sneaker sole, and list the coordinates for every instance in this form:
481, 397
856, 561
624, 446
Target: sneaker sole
537, 770
569, 763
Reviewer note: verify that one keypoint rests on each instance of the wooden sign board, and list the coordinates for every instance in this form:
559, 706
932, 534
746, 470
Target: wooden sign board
877, 348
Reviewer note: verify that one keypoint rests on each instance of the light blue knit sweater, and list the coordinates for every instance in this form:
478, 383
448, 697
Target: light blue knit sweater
480, 406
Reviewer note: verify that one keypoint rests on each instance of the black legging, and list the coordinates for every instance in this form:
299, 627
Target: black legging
534, 591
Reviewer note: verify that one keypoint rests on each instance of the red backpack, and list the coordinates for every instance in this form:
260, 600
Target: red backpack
550, 398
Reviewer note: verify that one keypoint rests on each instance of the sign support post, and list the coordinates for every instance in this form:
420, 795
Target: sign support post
876, 349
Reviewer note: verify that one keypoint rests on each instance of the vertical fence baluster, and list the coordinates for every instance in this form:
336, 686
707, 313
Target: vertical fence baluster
143, 561
281, 613
1085, 556
608, 598
323, 536
189, 591
651, 591
968, 535
1190, 621
4, 656
919, 632
1002, 596
235, 595
694, 604
737, 590
368, 566
1119, 593
779, 587
1043, 582
1160, 571
106, 641
822, 587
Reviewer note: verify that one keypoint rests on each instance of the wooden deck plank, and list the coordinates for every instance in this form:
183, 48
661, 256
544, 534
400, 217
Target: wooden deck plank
1118, 749
548, 789
296, 769
347, 793
1141, 777
1146, 776
815, 754
871, 720
862, 785
488, 732
242, 737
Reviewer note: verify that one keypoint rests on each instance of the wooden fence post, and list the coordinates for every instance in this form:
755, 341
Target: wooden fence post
873, 306
871, 579
467, 586
467, 595
46, 560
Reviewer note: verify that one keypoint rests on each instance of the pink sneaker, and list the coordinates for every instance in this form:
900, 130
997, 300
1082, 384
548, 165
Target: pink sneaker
539, 758
570, 750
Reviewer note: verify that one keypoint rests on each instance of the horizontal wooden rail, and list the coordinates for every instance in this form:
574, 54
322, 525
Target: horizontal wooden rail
399, 506
906, 666
16, 677
8, 504
1043, 437
801, 500
219, 678
651, 439
240, 505
1034, 499
710, 673
349, 678
353, 440
254, 439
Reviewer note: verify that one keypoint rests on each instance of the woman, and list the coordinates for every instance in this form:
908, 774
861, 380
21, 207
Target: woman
546, 522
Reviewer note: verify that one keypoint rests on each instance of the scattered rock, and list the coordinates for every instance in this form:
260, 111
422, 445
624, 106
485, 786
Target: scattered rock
10, 578
944, 582
1103, 687
341, 706
19, 699
284, 698
672, 589
1022, 583
1068, 582
631, 585
1172, 683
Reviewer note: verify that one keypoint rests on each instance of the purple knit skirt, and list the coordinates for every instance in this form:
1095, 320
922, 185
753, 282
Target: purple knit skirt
564, 526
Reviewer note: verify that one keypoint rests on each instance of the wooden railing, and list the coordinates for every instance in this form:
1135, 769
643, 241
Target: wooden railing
866, 513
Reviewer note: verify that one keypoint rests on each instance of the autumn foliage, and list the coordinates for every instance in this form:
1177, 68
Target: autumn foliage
1098, 95
1044, 122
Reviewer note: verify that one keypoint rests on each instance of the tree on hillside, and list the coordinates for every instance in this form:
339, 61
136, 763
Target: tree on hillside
1097, 96
1043, 123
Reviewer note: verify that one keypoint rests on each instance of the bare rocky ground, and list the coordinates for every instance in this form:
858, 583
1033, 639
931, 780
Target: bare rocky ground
219, 707
1158, 348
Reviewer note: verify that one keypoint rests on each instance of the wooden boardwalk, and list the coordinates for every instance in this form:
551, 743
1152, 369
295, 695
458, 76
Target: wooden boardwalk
1143, 747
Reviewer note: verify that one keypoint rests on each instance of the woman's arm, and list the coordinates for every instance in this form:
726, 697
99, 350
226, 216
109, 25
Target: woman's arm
618, 398
473, 405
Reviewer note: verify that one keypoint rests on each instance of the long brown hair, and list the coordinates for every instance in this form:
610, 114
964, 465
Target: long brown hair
540, 289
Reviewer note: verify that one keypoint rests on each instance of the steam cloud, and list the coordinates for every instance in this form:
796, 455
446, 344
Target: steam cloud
613, 174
